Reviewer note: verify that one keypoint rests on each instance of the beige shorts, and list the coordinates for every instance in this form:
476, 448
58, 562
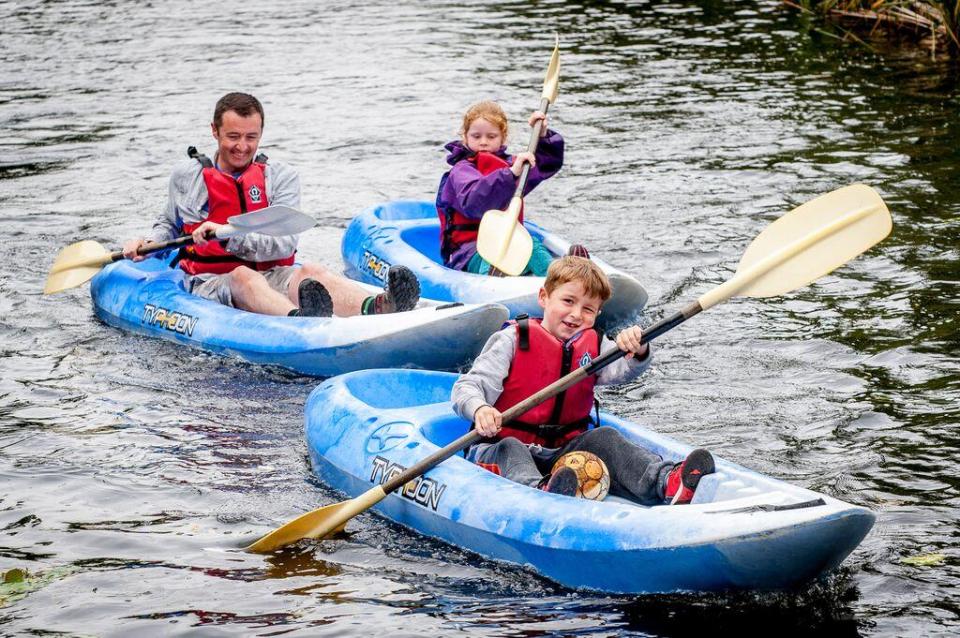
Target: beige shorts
217, 287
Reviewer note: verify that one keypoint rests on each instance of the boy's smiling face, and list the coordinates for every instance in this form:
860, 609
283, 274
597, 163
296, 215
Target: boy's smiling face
568, 309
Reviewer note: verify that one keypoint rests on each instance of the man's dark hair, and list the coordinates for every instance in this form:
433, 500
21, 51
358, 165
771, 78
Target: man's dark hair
243, 104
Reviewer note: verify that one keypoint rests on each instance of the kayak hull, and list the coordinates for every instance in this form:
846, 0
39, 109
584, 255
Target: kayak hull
408, 233
149, 298
743, 531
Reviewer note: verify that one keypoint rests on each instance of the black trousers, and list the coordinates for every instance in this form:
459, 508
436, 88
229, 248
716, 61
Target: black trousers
636, 473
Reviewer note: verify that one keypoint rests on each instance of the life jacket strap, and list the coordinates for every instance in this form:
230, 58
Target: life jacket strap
186, 253
193, 153
523, 331
205, 161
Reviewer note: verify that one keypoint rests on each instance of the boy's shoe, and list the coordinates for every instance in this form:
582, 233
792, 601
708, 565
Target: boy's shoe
564, 481
578, 250
683, 479
401, 293
315, 300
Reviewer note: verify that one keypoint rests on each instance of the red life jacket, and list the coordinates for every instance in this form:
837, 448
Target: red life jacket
539, 360
227, 196
456, 228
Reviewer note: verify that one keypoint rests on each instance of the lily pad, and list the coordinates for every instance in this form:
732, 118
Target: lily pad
15, 575
17, 583
924, 560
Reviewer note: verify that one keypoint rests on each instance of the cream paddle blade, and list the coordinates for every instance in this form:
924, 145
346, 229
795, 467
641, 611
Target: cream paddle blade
79, 262
501, 239
808, 242
319, 523
76, 264
551, 81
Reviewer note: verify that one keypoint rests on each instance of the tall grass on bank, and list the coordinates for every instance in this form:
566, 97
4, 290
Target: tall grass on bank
932, 25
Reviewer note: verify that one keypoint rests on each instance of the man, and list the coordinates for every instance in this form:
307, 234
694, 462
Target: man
255, 272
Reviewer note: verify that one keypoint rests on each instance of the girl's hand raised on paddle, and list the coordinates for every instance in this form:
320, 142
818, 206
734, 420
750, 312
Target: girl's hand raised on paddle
488, 420
539, 115
629, 340
519, 160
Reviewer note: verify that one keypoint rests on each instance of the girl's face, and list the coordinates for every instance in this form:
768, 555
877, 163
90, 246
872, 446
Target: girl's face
483, 136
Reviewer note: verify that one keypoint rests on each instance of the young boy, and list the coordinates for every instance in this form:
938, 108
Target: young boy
524, 358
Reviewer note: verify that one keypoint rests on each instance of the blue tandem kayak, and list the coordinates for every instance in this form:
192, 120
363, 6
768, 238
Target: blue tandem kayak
742, 531
149, 298
408, 233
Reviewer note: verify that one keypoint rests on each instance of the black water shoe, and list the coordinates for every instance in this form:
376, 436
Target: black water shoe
315, 300
401, 293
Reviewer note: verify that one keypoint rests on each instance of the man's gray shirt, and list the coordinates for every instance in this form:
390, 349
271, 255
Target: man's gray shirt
188, 195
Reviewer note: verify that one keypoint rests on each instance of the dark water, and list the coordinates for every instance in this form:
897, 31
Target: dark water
130, 467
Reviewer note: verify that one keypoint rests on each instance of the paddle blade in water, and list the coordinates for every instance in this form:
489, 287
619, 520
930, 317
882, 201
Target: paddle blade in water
807, 243
551, 82
276, 221
504, 242
320, 523
76, 264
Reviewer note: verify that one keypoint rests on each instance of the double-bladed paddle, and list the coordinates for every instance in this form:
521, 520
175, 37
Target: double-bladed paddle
803, 245
501, 239
79, 262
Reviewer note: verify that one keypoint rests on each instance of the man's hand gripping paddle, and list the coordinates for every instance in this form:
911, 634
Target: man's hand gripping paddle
79, 262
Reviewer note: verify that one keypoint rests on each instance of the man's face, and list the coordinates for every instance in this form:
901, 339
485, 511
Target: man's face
237, 138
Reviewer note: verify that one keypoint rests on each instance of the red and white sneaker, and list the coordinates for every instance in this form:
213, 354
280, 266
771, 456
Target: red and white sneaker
578, 250
683, 479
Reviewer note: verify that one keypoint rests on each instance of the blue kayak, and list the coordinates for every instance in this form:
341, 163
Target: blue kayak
408, 233
742, 531
149, 298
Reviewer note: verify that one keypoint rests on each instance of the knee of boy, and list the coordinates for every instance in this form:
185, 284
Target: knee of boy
604, 433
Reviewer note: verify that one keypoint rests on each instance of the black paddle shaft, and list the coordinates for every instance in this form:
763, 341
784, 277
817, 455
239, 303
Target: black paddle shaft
531, 148
548, 392
146, 249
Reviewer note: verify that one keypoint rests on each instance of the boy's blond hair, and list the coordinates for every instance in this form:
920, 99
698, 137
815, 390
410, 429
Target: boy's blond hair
488, 110
579, 269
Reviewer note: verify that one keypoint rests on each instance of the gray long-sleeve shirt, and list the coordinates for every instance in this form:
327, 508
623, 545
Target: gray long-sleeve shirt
188, 196
483, 384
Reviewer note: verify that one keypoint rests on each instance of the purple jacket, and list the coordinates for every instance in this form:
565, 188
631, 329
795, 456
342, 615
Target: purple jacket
464, 189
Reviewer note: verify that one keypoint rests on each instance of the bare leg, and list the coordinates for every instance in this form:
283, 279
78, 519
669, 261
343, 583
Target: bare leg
251, 292
347, 296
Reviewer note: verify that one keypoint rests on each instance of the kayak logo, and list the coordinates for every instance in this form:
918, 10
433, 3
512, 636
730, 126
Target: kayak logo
374, 265
422, 490
255, 194
388, 436
171, 320
585, 360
